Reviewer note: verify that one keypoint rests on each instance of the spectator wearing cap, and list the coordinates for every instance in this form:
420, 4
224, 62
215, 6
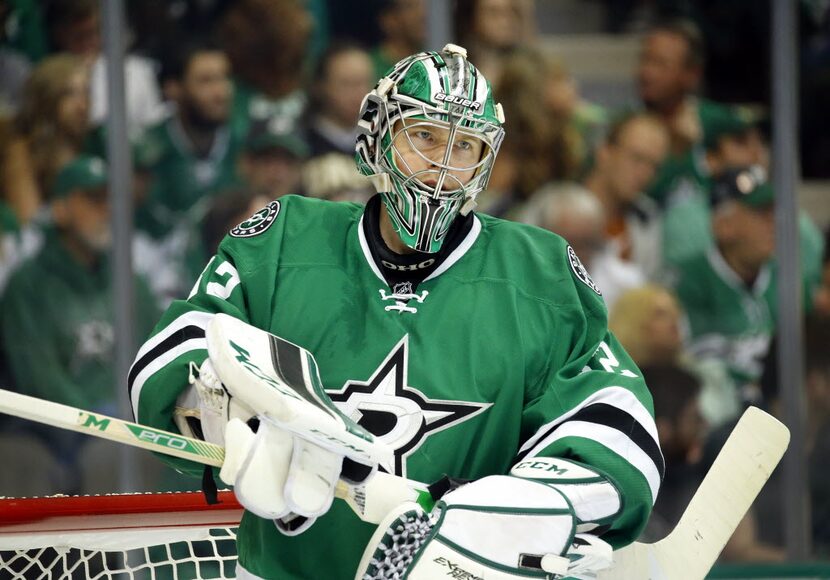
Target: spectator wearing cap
192, 153
731, 143
56, 315
729, 292
686, 219
271, 160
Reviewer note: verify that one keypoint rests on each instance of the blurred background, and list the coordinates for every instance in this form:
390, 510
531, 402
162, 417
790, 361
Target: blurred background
682, 147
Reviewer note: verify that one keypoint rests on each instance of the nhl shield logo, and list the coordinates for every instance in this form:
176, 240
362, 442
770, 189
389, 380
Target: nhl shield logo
257, 223
581, 272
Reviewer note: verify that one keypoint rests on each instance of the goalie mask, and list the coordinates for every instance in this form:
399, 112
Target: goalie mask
428, 135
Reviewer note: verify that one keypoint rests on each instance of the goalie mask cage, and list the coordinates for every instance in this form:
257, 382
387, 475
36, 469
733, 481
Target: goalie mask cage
160, 536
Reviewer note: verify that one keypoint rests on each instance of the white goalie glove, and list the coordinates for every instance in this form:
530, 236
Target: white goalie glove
286, 444
532, 523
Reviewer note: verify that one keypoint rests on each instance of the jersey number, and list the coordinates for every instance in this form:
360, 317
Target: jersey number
610, 363
218, 289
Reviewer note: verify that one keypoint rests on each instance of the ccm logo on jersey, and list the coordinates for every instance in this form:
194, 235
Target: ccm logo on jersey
408, 267
474, 105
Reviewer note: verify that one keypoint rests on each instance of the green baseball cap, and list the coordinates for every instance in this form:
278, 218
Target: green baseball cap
266, 135
747, 185
727, 123
85, 172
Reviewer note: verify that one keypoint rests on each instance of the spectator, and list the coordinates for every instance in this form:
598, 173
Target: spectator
74, 26
648, 321
680, 428
342, 79
730, 143
56, 313
574, 213
492, 29
687, 222
624, 166
271, 162
49, 130
543, 146
266, 41
402, 26
729, 292
193, 152
669, 74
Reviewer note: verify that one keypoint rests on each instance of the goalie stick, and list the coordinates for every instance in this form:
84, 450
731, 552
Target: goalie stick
370, 502
740, 470
746, 461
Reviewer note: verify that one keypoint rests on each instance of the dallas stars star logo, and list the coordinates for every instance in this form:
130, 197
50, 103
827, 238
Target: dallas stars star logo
398, 414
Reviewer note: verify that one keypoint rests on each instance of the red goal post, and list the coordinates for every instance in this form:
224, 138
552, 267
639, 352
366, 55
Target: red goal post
158, 535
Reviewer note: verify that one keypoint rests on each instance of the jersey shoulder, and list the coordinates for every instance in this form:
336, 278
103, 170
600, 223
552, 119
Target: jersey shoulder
292, 227
540, 262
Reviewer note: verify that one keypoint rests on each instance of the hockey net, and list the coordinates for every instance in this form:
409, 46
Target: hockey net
155, 536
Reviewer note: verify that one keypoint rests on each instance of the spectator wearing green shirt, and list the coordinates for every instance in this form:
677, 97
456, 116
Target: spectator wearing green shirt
56, 315
729, 293
730, 143
193, 153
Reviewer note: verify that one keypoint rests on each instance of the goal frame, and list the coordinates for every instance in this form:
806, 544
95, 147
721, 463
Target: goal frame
113, 522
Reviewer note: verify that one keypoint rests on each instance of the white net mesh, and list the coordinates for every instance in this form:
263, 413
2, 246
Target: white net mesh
158, 536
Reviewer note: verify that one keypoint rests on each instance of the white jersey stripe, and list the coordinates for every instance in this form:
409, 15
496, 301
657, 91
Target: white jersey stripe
193, 318
159, 363
618, 397
615, 441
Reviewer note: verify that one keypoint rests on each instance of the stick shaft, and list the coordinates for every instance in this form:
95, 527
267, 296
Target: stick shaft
371, 503
66, 417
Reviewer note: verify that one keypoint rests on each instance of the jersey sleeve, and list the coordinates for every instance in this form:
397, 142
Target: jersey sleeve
162, 366
239, 281
592, 406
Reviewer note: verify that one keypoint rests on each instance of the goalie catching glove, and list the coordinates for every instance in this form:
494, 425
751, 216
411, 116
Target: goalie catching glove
286, 444
531, 523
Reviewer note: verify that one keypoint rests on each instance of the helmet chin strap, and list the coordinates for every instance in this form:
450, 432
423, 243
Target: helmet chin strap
469, 205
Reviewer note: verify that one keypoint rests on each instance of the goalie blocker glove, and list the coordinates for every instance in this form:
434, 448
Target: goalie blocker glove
286, 444
531, 523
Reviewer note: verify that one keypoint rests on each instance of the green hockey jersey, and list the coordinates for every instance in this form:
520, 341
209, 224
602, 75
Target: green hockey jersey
730, 321
502, 354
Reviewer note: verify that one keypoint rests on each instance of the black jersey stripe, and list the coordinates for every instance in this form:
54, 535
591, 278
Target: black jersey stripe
180, 336
616, 418
611, 416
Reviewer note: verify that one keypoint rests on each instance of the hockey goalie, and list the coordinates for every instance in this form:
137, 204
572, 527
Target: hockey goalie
327, 341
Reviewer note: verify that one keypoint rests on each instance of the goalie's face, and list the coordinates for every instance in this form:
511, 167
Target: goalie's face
429, 132
441, 158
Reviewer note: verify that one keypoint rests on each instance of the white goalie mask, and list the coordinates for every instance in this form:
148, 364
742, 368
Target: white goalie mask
428, 136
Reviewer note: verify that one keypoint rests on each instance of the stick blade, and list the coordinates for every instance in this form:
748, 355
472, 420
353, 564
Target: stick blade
740, 470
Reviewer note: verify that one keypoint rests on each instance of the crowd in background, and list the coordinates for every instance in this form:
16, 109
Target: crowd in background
667, 201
